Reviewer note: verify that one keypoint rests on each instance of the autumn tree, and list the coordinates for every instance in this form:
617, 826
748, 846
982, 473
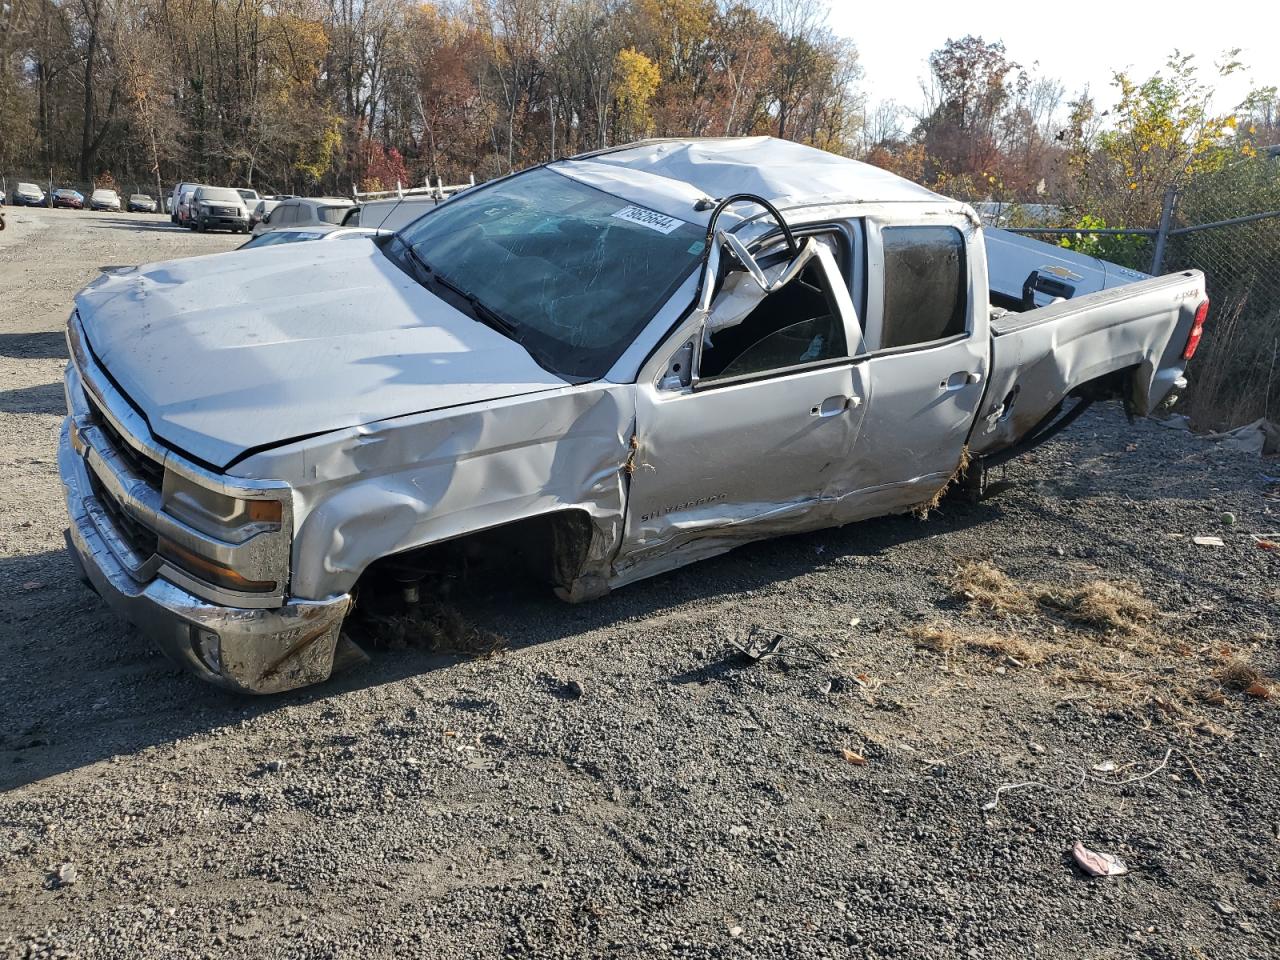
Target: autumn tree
965, 100
636, 80
1160, 133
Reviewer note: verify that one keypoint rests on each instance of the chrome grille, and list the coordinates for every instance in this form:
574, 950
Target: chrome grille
151, 470
140, 539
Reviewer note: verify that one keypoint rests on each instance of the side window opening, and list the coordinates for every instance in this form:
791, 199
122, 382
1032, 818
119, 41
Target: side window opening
796, 325
925, 288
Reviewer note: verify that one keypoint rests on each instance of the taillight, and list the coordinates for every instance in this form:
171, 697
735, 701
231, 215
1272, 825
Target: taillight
1197, 330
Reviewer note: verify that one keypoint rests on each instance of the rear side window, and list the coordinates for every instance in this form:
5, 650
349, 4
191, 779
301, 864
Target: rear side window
924, 285
332, 215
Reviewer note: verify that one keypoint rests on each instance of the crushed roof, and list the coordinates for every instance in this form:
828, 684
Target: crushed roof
781, 171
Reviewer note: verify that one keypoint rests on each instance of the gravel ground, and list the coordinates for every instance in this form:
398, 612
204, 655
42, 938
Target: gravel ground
618, 782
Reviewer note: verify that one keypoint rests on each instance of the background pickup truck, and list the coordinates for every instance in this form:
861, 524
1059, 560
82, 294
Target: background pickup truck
610, 366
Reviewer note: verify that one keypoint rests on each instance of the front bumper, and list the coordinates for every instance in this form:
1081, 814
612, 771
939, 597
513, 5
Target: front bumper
215, 222
248, 650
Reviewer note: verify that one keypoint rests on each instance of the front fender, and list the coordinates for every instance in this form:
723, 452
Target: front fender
393, 486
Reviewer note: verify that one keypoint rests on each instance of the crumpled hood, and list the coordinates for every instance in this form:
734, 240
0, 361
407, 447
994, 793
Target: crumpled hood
236, 351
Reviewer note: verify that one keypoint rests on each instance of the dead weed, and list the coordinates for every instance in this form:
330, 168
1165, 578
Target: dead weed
986, 587
923, 510
1098, 634
1102, 604
947, 640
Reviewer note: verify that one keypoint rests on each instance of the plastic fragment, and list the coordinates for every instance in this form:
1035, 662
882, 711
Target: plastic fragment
1208, 541
1098, 864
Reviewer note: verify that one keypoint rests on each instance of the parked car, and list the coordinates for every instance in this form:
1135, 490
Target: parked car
183, 215
2, 198
219, 208
103, 199
261, 209
301, 212
320, 231
175, 199
28, 195
390, 214
68, 199
141, 203
589, 360
249, 197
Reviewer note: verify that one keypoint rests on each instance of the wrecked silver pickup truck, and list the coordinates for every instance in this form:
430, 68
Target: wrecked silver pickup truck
624, 362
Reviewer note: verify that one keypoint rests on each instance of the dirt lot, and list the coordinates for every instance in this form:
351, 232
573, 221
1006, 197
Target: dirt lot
617, 781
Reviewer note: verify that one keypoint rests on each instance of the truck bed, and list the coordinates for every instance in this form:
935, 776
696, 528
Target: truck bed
1109, 322
1013, 258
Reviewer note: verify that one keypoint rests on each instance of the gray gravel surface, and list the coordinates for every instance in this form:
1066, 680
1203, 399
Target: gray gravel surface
617, 782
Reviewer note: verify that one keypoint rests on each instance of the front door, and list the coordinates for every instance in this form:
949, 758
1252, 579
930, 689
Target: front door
759, 442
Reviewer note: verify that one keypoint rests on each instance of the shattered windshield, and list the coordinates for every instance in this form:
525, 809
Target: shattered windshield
570, 272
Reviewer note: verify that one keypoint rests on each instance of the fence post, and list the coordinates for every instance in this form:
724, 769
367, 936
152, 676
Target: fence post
1162, 233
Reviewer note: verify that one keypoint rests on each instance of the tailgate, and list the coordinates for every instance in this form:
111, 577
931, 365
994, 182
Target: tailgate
1038, 357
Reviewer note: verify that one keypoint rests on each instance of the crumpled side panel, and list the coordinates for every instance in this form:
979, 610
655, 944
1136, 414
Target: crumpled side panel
1040, 356
392, 486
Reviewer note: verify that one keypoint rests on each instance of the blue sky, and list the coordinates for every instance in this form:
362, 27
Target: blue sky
1078, 43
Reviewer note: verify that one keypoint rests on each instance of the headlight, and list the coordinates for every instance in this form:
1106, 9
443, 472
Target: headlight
230, 519
210, 570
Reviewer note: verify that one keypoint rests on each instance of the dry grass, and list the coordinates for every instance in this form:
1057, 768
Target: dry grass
986, 587
1237, 673
923, 510
1102, 605
947, 640
1097, 634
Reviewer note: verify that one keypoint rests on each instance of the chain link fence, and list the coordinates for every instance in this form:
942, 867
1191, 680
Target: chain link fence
1225, 223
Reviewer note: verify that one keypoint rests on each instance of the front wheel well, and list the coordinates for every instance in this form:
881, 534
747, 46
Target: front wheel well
552, 548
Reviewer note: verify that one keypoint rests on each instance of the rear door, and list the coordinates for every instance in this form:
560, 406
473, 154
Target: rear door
760, 441
926, 360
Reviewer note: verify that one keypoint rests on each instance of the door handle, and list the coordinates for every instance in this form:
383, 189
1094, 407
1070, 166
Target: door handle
962, 378
834, 406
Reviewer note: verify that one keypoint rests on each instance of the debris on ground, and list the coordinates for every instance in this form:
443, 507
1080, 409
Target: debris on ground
1208, 541
64, 875
1098, 864
857, 759
763, 642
